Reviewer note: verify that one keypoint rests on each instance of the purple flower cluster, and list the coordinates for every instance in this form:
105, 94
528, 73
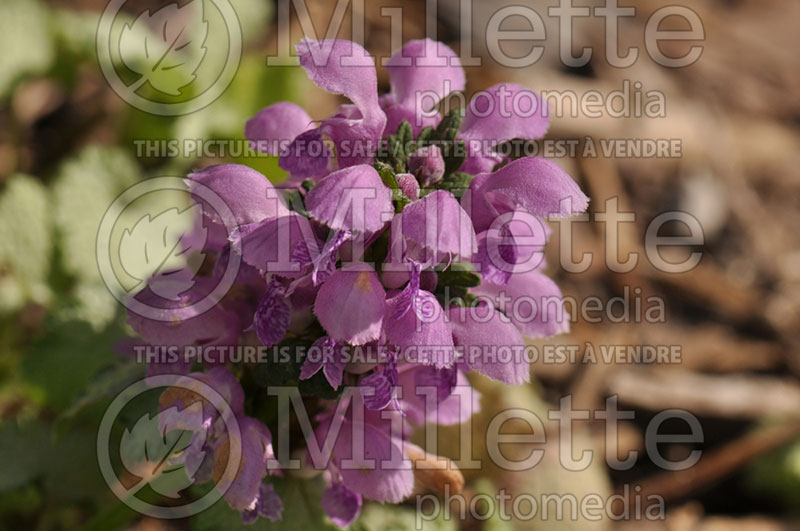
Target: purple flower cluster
399, 231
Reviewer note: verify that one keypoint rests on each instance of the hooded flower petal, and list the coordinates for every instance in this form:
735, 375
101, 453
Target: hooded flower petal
500, 113
341, 504
307, 157
268, 505
376, 472
352, 199
179, 323
397, 114
422, 73
274, 127
256, 443
343, 67
515, 244
532, 301
429, 334
454, 402
434, 229
533, 183
271, 245
225, 383
492, 346
248, 194
424, 66
351, 305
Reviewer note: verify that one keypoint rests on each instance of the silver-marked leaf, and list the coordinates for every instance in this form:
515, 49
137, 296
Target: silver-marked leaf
155, 449
159, 243
166, 47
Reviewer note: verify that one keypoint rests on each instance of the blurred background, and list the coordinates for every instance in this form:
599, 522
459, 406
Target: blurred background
68, 147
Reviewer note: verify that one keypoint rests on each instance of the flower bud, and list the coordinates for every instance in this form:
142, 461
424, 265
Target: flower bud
408, 185
427, 165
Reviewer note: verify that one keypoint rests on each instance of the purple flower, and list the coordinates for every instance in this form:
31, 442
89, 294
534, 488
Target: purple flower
367, 454
514, 245
423, 330
341, 504
432, 230
243, 491
538, 306
271, 319
351, 305
179, 323
484, 334
270, 244
339, 67
421, 74
534, 184
212, 443
378, 388
267, 505
439, 396
311, 255
505, 112
328, 355
247, 193
353, 199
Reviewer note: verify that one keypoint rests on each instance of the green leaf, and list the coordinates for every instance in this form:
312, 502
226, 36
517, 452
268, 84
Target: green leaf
106, 384
455, 157
424, 136
405, 136
32, 453
151, 450
63, 360
456, 183
461, 275
447, 130
387, 175
396, 153
390, 179
25, 448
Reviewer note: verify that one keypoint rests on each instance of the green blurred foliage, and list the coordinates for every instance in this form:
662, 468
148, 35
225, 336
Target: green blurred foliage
60, 327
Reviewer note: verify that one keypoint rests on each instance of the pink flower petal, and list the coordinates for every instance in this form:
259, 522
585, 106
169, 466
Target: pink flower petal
351, 305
